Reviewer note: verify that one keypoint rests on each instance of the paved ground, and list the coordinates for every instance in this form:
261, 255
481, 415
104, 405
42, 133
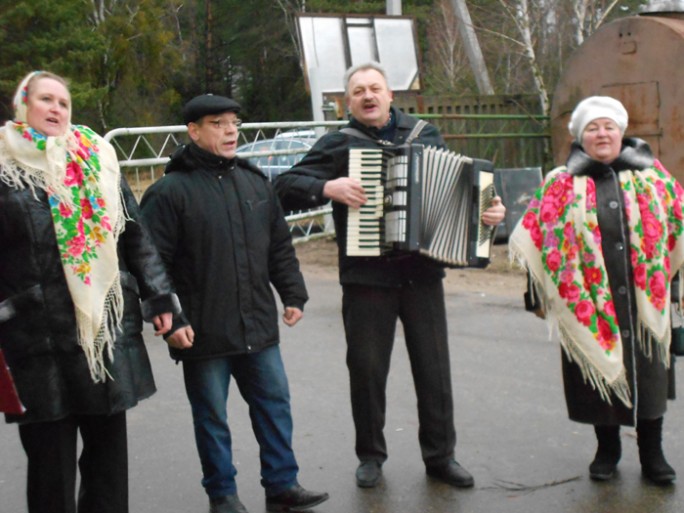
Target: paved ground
513, 432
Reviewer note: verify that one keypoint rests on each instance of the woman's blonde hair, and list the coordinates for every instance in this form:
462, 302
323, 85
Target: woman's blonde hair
46, 74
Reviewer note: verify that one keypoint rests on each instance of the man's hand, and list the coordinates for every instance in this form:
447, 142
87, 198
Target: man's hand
345, 190
162, 323
495, 213
291, 315
182, 338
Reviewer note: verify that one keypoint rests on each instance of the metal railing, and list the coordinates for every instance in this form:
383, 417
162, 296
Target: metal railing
508, 140
144, 151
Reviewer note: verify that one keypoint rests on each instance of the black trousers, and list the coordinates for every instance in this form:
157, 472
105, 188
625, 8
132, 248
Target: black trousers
370, 317
51, 448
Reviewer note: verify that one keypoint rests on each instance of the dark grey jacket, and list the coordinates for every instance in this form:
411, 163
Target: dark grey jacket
37, 323
302, 187
221, 233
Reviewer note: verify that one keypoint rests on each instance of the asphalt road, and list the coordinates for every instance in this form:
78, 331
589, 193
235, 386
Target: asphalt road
513, 431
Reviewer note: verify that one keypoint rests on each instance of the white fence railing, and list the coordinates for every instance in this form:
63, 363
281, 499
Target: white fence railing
144, 151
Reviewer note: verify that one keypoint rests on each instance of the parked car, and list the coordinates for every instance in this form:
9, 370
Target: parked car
289, 147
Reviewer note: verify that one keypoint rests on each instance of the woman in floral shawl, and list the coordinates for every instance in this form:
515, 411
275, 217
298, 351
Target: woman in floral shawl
601, 240
74, 264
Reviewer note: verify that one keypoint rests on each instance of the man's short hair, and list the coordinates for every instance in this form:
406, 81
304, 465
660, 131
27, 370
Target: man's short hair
361, 67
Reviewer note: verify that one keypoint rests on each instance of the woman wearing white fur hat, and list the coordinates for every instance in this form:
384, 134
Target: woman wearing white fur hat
601, 240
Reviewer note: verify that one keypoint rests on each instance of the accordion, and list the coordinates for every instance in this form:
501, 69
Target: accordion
421, 199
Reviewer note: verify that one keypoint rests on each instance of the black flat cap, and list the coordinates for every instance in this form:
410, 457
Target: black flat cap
206, 104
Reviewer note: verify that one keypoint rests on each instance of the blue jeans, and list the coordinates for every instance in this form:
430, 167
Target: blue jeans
262, 382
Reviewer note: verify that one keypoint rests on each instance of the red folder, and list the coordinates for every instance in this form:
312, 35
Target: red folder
9, 399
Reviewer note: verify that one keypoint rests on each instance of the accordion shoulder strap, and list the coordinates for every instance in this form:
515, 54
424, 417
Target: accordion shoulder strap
417, 129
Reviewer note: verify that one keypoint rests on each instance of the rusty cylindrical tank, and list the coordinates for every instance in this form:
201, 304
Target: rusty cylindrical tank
640, 61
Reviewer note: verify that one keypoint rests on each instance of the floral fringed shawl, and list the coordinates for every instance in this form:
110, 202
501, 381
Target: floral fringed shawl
80, 174
558, 240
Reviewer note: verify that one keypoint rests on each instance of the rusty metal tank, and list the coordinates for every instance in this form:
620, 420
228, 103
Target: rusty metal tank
640, 61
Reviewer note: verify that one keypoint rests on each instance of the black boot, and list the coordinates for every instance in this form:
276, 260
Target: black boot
608, 453
653, 463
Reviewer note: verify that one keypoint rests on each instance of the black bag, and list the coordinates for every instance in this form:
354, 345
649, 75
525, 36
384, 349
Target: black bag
532, 302
677, 339
677, 343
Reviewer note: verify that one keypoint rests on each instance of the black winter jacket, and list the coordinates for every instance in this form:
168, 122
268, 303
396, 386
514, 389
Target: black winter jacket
302, 187
222, 234
37, 322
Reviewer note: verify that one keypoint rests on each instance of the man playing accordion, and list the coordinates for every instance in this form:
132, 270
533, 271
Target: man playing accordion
378, 290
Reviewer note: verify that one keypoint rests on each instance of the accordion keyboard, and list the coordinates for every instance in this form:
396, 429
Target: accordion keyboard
364, 225
421, 199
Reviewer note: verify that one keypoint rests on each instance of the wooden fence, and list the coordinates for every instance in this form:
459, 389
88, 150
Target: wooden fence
506, 129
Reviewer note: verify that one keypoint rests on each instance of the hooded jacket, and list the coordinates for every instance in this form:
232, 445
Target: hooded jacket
223, 237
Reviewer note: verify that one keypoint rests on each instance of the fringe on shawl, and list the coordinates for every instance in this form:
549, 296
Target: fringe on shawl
20, 177
16, 177
95, 349
103, 343
648, 341
620, 387
112, 314
662, 344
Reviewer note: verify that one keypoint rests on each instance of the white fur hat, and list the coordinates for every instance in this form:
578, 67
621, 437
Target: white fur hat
596, 107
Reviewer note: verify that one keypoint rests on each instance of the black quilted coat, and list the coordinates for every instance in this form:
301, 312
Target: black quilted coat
37, 323
221, 232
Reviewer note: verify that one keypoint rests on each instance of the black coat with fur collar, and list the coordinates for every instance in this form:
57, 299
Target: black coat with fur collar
650, 381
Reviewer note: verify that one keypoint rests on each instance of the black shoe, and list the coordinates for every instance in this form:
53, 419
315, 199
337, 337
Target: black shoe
654, 466
295, 499
659, 472
608, 453
227, 504
452, 474
602, 470
368, 473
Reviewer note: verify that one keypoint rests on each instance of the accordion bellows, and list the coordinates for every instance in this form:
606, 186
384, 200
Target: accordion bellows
422, 199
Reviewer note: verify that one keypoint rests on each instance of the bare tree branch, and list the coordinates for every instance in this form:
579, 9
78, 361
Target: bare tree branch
520, 15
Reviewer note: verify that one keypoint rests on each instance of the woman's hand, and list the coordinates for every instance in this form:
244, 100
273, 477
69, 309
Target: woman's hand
162, 323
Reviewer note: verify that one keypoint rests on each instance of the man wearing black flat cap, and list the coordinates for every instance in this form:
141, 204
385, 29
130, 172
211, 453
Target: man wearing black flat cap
222, 235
